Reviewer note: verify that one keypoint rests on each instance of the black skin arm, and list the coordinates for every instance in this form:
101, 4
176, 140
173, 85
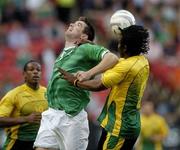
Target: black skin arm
91, 85
34, 117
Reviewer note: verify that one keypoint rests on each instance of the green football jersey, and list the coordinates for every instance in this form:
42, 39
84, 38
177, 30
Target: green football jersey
61, 94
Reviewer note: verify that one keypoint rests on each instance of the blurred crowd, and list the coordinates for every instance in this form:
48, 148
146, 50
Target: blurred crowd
34, 29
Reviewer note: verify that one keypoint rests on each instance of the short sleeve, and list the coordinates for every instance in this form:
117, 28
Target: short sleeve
6, 106
115, 75
95, 52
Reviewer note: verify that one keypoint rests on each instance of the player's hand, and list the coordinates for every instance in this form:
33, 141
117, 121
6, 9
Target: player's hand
34, 117
82, 76
67, 76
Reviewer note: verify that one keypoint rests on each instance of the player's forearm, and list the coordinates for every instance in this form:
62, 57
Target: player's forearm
91, 85
108, 61
8, 122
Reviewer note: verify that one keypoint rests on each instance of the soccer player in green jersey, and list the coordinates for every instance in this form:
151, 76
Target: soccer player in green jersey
65, 125
20, 110
120, 117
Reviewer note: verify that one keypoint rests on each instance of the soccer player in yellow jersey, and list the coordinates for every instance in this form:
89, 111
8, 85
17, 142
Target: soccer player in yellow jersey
20, 109
154, 129
120, 117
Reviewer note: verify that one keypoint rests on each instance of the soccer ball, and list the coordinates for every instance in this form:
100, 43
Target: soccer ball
121, 19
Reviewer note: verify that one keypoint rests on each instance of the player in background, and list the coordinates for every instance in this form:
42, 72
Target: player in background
21, 108
154, 129
65, 125
120, 117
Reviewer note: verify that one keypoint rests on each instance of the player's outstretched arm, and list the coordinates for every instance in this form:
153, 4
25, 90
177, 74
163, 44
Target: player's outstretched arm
91, 85
108, 61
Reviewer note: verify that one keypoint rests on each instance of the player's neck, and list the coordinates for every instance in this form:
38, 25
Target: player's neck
69, 44
33, 86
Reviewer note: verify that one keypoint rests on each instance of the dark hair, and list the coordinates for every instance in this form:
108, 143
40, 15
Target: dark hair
26, 64
135, 40
89, 30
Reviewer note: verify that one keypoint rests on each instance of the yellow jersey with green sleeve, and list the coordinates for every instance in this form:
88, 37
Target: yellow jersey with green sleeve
22, 101
153, 125
127, 80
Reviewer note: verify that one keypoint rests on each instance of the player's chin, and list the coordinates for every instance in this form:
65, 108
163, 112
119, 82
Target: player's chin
68, 32
35, 80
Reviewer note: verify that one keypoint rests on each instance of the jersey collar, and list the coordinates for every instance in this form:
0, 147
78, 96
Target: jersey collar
67, 48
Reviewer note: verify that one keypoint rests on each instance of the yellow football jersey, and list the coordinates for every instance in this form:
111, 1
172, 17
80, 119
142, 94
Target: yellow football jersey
153, 125
22, 101
127, 81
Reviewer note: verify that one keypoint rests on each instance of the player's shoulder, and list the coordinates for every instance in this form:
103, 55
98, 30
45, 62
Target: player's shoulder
138, 57
15, 91
89, 45
158, 117
141, 59
43, 88
125, 61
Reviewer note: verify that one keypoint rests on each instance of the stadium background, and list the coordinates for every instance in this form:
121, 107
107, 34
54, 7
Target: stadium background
34, 29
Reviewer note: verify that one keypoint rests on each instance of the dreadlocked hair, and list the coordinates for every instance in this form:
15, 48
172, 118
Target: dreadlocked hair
135, 40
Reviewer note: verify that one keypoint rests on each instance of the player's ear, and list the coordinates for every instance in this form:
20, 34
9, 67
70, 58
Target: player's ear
24, 75
84, 37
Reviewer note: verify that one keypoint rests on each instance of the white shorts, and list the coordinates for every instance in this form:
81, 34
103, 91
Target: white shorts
61, 131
